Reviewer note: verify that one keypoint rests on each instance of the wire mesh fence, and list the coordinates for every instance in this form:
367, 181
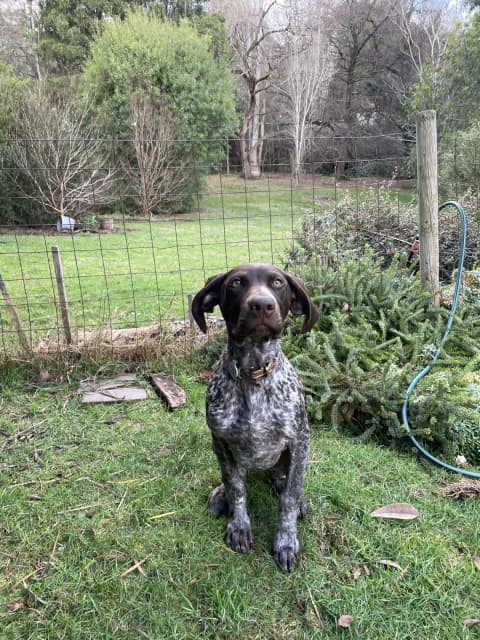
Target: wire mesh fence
120, 270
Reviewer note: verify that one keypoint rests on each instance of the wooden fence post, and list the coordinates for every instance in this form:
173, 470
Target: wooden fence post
62, 294
14, 315
427, 188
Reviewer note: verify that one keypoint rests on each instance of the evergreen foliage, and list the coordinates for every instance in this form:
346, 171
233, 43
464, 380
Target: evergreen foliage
68, 28
373, 328
169, 61
377, 330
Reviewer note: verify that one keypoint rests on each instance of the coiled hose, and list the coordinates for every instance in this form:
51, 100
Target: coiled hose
424, 372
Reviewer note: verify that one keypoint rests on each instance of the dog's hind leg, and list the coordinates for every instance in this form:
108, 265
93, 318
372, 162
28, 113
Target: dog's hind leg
278, 478
217, 502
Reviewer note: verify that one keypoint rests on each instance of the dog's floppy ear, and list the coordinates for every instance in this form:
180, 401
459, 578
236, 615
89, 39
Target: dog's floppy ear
206, 299
301, 303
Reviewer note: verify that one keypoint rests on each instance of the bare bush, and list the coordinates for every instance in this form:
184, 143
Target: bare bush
156, 171
56, 154
378, 221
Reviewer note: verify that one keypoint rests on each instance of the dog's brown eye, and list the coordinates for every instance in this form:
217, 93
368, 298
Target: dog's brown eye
236, 282
277, 282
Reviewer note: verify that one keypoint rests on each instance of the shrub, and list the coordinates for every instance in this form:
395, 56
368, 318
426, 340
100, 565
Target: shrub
376, 331
12, 91
445, 413
373, 329
377, 220
172, 63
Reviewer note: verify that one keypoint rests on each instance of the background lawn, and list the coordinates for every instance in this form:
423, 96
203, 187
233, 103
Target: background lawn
88, 491
143, 273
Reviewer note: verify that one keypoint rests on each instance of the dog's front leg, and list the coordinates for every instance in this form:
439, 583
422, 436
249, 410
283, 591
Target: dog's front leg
232, 496
285, 545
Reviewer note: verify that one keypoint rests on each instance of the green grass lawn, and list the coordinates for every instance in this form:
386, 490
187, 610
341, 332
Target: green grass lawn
88, 491
144, 272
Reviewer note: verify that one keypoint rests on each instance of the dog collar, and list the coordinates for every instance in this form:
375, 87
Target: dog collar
250, 375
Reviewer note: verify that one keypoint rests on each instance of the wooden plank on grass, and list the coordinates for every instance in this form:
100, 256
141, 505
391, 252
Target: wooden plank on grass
169, 390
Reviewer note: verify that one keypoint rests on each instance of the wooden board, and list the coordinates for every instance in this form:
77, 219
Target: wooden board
169, 390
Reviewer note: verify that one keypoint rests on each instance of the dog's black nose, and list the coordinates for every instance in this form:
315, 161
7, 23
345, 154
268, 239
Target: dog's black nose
261, 305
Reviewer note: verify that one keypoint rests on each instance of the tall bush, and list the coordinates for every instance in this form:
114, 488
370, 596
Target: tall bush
174, 62
12, 92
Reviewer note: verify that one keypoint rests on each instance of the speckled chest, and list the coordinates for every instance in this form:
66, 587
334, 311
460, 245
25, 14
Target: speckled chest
257, 422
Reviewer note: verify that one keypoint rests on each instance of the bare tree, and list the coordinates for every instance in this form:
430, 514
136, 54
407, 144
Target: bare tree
356, 27
19, 36
57, 154
306, 78
251, 27
157, 171
425, 27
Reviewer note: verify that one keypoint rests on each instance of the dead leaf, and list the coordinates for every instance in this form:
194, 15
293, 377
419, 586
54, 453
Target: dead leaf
44, 376
396, 511
332, 517
43, 345
16, 606
464, 488
470, 622
461, 461
204, 376
476, 562
391, 564
360, 571
345, 621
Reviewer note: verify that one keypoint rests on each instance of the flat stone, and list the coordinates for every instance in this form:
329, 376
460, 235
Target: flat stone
119, 389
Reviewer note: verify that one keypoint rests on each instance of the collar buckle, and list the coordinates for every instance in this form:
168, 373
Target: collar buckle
250, 375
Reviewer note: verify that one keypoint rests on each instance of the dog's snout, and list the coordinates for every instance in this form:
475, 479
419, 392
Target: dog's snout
261, 305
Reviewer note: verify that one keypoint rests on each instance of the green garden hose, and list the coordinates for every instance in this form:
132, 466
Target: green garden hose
423, 373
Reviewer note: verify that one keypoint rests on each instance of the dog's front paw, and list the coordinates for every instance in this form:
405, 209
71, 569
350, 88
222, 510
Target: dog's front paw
286, 550
239, 535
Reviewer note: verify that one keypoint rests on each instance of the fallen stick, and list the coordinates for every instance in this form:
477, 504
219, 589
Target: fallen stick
16, 320
137, 566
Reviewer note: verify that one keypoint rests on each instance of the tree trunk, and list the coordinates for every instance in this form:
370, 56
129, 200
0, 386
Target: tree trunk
343, 152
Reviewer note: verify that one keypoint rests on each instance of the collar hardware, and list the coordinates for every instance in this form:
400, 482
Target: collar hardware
250, 375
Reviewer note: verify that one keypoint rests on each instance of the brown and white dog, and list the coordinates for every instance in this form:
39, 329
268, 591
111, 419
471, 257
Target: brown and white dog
255, 402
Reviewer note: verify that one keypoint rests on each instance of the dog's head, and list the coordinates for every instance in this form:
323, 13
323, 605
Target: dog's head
255, 300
